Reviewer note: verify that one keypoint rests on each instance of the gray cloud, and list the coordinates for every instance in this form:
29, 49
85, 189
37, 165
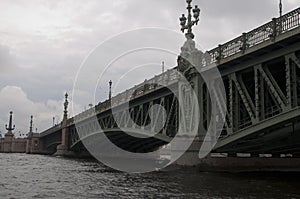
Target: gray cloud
7, 60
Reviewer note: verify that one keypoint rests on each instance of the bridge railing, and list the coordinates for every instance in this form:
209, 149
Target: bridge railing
51, 130
160, 81
167, 78
241, 44
268, 31
290, 21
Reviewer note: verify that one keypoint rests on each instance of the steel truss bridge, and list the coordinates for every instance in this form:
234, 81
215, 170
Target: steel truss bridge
261, 74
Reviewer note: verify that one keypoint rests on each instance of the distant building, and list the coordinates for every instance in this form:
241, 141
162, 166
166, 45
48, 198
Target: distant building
24, 143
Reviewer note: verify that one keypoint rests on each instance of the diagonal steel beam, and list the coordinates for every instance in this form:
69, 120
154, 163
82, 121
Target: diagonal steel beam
272, 88
221, 108
245, 91
257, 94
244, 96
291, 61
294, 58
276, 86
170, 112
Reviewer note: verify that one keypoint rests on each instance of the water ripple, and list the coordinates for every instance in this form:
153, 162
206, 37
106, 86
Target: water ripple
35, 176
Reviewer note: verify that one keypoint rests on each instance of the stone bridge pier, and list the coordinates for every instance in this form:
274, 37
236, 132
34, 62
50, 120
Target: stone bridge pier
63, 148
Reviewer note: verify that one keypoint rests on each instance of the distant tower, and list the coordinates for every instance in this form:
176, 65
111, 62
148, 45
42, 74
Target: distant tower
109, 94
10, 127
31, 124
163, 66
66, 106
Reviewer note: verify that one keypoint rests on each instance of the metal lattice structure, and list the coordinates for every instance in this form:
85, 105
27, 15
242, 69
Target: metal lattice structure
261, 75
135, 119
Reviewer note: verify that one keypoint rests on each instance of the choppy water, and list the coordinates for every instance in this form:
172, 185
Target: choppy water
35, 176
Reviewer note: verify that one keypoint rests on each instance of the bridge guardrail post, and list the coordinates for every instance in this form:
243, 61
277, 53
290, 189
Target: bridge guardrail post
274, 34
244, 41
219, 57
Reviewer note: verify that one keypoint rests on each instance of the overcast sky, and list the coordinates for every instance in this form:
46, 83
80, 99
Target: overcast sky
44, 42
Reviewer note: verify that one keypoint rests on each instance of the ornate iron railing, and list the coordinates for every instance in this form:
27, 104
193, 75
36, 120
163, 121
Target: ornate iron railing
51, 130
241, 44
266, 32
167, 78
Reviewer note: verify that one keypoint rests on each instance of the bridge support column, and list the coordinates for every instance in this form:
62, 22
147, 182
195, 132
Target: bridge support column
193, 117
33, 145
63, 148
190, 156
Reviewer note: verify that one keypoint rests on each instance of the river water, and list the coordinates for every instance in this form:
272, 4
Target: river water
35, 176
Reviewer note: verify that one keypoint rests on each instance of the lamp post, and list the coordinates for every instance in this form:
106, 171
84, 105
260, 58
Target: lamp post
31, 124
109, 94
10, 127
187, 23
66, 106
280, 8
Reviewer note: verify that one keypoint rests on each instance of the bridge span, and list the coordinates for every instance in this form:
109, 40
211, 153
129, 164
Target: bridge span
261, 75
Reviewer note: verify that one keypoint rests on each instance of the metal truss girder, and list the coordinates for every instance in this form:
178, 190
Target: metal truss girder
261, 59
129, 120
145, 117
291, 79
272, 88
263, 125
257, 106
244, 96
245, 91
170, 112
102, 124
231, 111
138, 115
288, 82
276, 86
162, 102
221, 107
295, 59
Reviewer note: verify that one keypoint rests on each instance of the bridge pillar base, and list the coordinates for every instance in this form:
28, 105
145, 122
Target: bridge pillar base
190, 156
241, 164
62, 150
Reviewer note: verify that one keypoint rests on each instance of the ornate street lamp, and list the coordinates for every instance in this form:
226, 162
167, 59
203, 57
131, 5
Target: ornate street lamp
31, 124
66, 106
280, 8
187, 23
109, 94
10, 127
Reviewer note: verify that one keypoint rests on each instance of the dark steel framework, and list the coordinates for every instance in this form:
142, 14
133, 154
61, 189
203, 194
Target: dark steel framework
261, 74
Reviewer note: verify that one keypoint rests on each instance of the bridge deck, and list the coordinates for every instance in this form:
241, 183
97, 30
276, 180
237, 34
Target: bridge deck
265, 39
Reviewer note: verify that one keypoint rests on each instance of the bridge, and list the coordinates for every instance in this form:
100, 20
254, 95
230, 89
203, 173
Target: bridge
261, 75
